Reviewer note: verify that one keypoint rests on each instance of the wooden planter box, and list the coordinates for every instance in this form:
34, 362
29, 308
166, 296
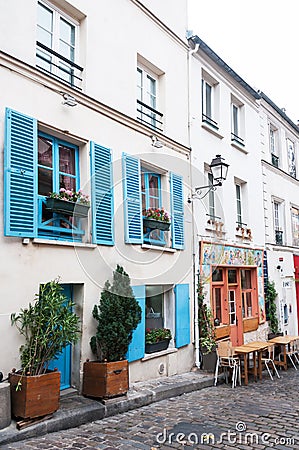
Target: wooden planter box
38, 394
222, 331
156, 224
67, 208
157, 346
250, 324
105, 380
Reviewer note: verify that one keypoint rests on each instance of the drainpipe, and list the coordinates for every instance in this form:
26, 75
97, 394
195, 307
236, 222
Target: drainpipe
194, 246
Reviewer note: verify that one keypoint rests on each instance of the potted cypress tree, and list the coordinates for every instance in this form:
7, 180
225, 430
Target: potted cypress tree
271, 295
118, 314
48, 325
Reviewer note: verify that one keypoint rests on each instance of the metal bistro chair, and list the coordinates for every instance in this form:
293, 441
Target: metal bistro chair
268, 358
228, 361
292, 353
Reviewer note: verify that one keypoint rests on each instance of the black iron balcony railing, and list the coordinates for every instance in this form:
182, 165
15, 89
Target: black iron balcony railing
210, 121
149, 116
279, 237
275, 160
58, 66
237, 139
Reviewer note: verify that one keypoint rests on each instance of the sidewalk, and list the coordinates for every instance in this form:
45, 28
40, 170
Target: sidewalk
76, 410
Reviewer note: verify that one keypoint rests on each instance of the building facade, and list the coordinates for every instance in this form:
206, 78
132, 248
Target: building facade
279, 149
89, 103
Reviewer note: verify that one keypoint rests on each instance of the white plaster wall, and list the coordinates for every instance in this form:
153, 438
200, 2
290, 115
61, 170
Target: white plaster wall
243, 164
111, 36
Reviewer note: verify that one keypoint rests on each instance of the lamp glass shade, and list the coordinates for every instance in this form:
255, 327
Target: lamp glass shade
219, 169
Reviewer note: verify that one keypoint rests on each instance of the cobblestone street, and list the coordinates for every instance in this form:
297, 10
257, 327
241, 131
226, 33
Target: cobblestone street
262, 415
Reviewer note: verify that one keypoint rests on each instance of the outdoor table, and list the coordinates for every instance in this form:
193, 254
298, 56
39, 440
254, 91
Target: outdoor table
283, 341
245, 351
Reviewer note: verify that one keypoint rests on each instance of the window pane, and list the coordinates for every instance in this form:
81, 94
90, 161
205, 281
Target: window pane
217, 275
153, 186
67, 51
217, 300
154, 307
67, 160
45, 152
44, 37
249, 304
45, 18
153, 202
235, 120
246, 279
208, 100
45, 185
66, 182
67, 32
232, 276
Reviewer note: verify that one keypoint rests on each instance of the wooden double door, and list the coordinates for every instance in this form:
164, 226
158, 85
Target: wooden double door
234, 299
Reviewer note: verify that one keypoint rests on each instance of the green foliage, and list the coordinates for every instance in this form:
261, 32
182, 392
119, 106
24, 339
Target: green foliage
156, 335
271, 295
207, 337
118, 314
48, 325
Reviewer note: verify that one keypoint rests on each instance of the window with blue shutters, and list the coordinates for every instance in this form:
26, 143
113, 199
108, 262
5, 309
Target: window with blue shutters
143, 190
58, 168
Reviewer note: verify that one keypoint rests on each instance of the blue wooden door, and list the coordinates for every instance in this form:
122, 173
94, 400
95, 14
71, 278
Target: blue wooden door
63, 362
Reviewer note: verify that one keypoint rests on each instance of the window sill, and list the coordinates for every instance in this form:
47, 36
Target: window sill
149, 356
239, 147
158, 248
212, 130
62, 243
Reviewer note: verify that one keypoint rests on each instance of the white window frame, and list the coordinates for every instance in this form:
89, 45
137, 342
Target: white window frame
291, 152
57, 16
278, 215
237, 122
295, 226
209, 102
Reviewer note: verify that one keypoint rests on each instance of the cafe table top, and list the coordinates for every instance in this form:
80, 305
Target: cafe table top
283, 340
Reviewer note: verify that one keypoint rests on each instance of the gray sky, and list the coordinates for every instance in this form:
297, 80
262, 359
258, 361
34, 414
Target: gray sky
258, 39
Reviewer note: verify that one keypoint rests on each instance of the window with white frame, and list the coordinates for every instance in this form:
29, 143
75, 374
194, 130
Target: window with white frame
237, 122
273, 142
56, 45
209, 100
295, 225
239, 204
278, 221
291, 157
147, 98
212, 206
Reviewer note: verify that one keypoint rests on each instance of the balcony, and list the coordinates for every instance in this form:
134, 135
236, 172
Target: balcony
149, 116
58, 66
209, 121
274, 160
278, 237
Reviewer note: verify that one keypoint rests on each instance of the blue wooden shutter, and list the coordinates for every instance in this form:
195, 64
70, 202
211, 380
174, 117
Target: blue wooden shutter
101, 194
182, 315
20, 175
177, 211
137, 347
132, 200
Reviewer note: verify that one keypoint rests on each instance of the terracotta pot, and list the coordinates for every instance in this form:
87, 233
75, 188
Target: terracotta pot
105, 380
37, 396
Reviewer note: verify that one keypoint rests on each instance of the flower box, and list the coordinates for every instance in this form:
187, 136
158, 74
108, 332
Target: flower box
157, 346
156, 224
67, 208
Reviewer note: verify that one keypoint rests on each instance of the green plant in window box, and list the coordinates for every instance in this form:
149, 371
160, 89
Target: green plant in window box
68, 202
157, 335
157, 219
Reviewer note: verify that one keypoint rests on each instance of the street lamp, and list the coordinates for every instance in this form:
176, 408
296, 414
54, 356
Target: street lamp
219, 171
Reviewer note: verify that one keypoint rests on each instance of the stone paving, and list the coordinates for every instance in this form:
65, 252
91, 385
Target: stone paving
262, 415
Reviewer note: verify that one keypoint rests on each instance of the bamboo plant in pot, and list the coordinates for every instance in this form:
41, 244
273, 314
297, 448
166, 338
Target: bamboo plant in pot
48, 325
118, 314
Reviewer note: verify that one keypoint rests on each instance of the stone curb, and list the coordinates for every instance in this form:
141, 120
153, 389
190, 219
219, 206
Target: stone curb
77, 410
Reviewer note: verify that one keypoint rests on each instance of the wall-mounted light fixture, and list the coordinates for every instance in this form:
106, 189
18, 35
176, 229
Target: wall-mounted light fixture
68, 100
219, 171
156, 143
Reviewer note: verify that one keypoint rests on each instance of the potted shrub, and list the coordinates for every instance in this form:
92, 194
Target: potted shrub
157, 339
156, 219
48, 325
207, 335
118, 314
